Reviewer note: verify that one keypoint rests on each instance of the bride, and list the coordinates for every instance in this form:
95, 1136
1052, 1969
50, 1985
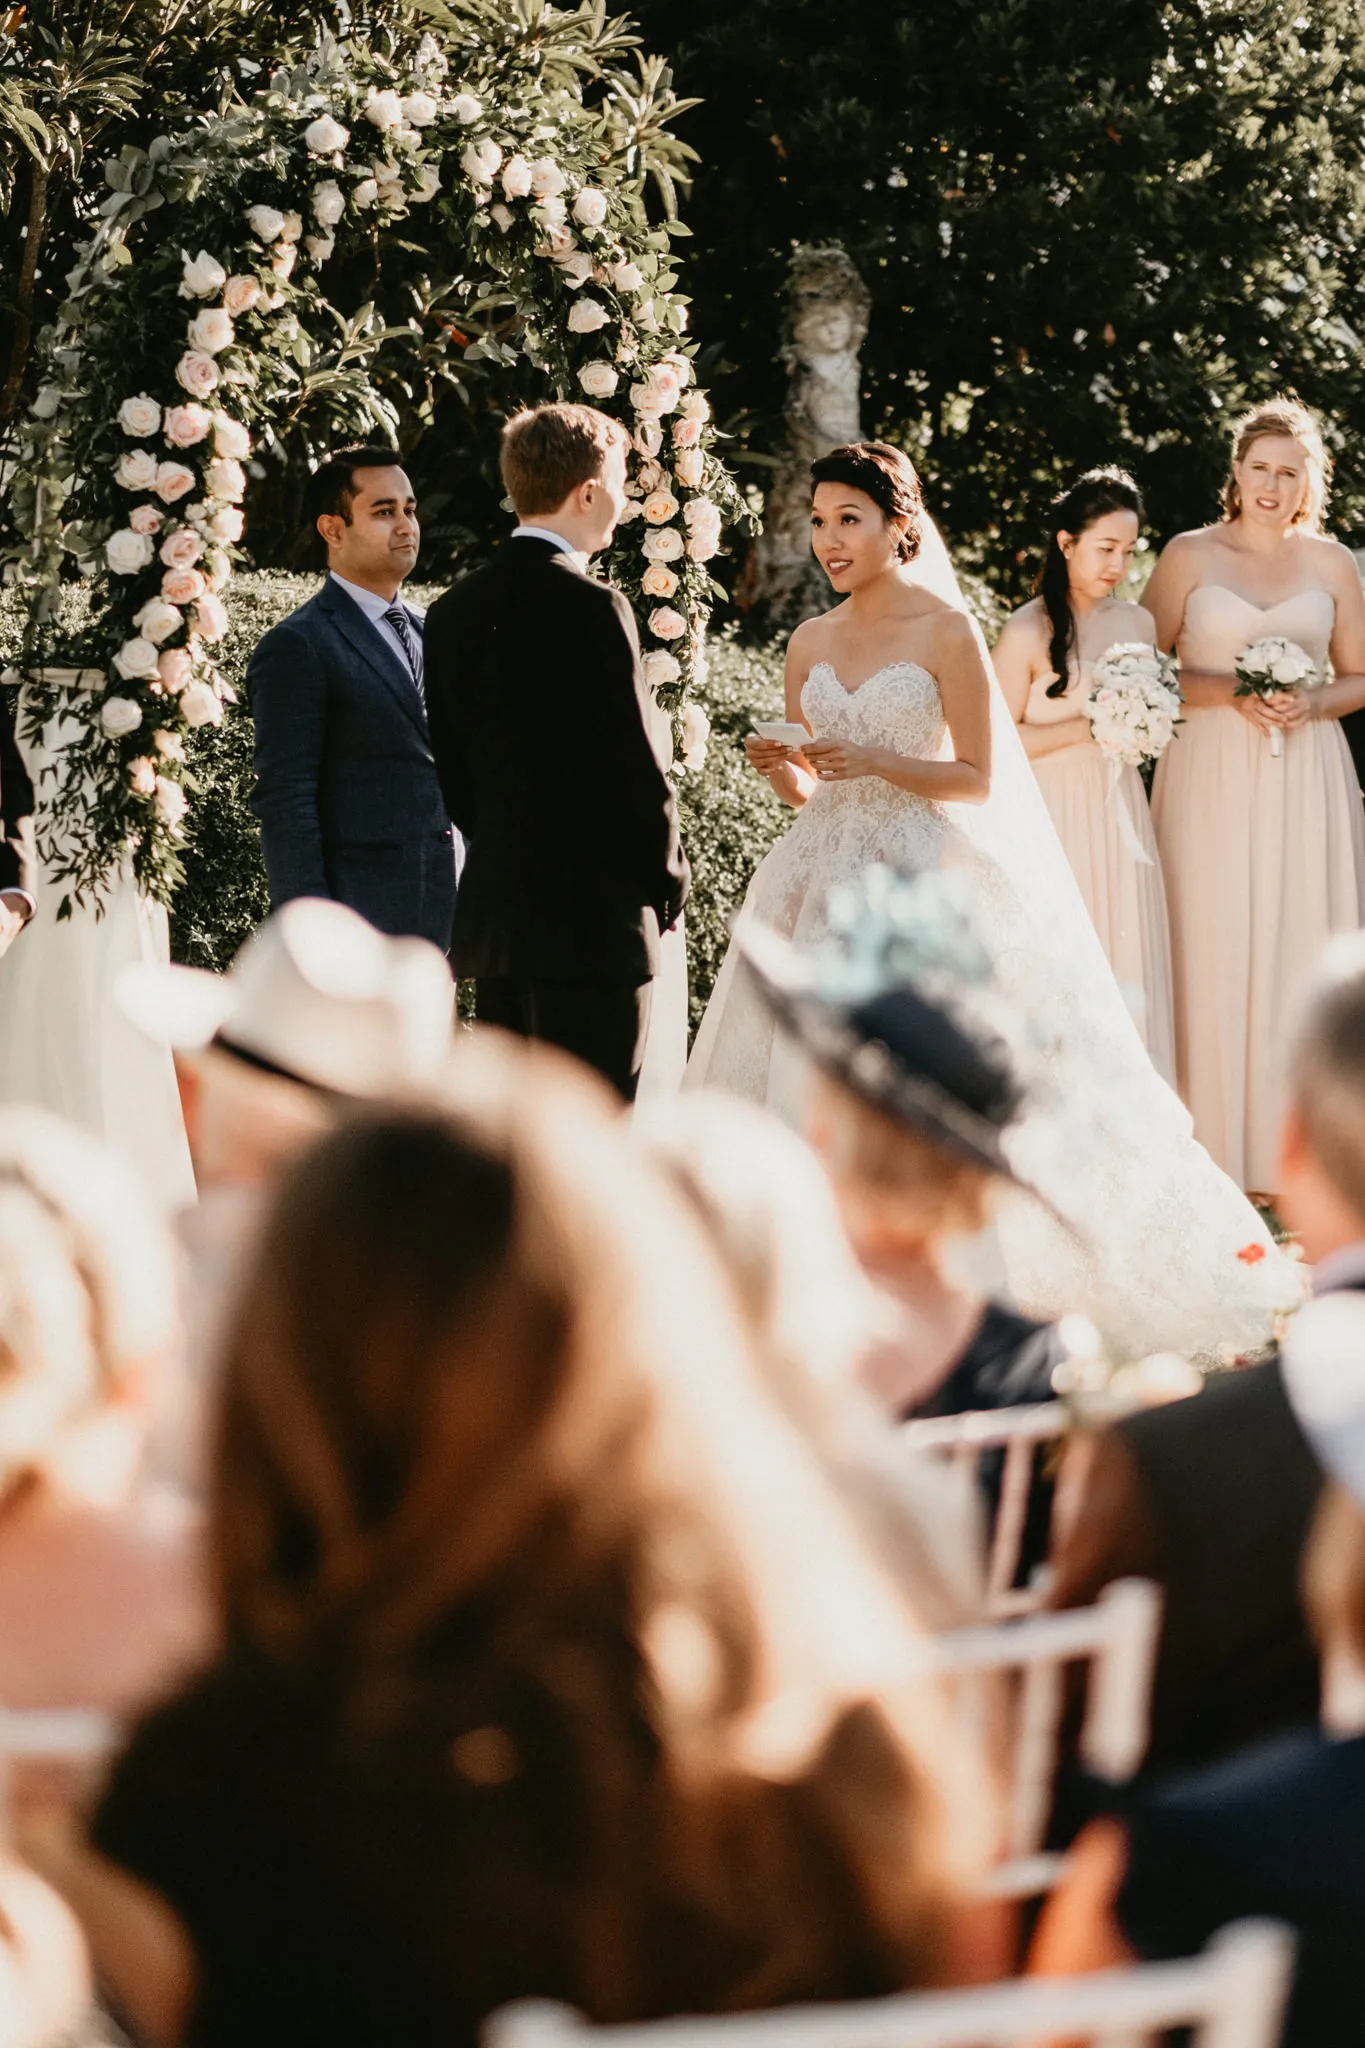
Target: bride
914, 761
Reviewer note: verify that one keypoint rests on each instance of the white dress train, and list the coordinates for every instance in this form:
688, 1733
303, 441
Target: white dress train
1167, 1254
65, 1044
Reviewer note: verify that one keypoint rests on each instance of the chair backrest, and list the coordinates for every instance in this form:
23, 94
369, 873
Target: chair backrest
50, 1735
1232, 1996
1117, 1640
963, 1440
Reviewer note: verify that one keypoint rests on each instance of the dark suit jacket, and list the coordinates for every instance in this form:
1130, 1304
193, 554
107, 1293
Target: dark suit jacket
346, 786
1213, 1497
16, 803
537, 707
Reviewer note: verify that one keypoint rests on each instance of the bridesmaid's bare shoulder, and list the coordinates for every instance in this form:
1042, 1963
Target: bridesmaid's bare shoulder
1133, 621
1332, 561
1188, 549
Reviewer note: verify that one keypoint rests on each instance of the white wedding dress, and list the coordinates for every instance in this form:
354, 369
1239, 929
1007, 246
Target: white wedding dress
1166, 1254
66, 1045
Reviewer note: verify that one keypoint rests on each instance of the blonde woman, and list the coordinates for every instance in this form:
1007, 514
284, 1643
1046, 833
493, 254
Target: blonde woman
1263, 853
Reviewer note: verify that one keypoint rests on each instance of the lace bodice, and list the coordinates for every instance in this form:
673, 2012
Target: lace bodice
897, 707
1220, 622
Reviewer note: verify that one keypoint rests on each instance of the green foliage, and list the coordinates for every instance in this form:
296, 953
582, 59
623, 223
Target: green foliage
1090, 233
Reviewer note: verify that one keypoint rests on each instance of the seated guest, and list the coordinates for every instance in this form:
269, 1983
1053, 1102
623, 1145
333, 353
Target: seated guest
912, 1103
1213, 1497
1276, 1831
101, 1604
551, 1667
771, 1214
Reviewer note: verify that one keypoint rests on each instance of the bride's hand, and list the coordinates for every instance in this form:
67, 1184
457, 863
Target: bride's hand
767, 756
837, 761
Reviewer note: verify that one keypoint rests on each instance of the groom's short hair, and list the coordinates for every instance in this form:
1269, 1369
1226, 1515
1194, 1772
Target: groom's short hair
549, 450
1327, 1073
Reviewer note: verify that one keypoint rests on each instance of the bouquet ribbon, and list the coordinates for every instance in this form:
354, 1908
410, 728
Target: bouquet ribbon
1123, 818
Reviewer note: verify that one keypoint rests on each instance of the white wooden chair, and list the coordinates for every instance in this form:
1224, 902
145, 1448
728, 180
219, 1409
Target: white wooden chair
67, 1735
1117, 1639
963, 1440
1232, 1996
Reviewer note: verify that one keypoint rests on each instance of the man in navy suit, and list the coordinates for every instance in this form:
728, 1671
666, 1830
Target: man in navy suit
346, 788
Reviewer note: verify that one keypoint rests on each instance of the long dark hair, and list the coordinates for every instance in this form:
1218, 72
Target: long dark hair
1099, 491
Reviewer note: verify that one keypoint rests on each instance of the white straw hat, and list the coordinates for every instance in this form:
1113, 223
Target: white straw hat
316, 995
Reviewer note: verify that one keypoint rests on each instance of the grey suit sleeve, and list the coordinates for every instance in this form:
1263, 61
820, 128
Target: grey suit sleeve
287, 689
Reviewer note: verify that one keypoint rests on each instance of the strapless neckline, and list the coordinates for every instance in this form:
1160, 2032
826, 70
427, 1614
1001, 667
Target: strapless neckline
888, 668
1250, 604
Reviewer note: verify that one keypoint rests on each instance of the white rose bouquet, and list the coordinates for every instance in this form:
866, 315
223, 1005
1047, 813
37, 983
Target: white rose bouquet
1133, 703
1272, 665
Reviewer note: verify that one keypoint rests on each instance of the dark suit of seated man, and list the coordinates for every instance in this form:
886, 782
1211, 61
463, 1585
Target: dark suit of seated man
346, 788
538, 708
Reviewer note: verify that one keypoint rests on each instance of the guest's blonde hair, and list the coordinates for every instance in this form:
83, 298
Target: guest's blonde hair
1289, 420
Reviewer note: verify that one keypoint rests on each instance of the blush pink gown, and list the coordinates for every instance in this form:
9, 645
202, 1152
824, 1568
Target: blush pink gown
1264, 860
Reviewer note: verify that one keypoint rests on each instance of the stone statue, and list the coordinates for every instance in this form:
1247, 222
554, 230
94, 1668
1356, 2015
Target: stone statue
827, 313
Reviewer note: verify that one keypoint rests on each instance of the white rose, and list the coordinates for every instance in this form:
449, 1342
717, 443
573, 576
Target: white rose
503, 216
384, 109
695, 406
658, 581
171, 801
199, 705
225, 478
660, 507
140, 417
230, 437
365, 193
136, 469
648, 437
664, 544
480, 162
169, 744
128, 553
586, 315
158, 620
196, 373
516, 178
186, 425
226, 523
629, 512
419, 109
173, 481
700, 515
598, 380
576, 267
689, 466
557, 243
428, 183
552, 213
590, 207
661, 669
666, 624
142, 776
466, 108
241, 294
265, 221
681, 368
325, 136
702, 546
319, 248
210, 616
547, 180
218, 569
695, 731
202, 276
120, 715
627, 277
48, 401
285, 257
211, 331
328, 202
1287, 670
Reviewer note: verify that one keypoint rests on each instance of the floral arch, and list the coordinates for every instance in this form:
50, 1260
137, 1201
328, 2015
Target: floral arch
510, 144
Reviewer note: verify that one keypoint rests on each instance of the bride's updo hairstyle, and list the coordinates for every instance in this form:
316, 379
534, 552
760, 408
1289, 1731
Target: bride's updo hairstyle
1091, 497
1291, 421
883, 474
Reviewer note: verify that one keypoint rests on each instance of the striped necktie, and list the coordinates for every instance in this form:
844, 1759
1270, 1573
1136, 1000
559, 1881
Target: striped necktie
397, 617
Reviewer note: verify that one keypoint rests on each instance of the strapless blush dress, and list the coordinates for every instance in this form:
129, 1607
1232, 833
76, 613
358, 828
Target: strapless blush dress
1089, 798
1264, 859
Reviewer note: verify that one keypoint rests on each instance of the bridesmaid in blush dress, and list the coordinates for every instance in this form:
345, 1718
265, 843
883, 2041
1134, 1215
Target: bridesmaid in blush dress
1045, 659
1264, 854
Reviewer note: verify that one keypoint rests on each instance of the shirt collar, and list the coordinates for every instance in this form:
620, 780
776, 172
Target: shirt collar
556, 540
373, 606
1344, 1268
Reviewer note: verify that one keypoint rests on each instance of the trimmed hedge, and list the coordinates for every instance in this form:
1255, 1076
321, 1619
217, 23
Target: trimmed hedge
729, 816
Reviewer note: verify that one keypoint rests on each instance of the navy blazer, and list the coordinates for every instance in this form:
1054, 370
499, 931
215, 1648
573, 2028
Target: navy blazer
346, 788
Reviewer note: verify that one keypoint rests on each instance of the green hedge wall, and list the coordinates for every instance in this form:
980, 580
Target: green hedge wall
729, 817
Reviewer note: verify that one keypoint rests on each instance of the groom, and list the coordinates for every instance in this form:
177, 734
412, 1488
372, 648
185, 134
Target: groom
537, 705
